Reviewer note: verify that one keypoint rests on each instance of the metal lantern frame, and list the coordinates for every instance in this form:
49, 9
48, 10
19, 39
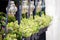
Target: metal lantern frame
19, 12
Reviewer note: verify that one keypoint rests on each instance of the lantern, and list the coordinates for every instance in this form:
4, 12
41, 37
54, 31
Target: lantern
39, 6
31, 6
24, 7
11, 8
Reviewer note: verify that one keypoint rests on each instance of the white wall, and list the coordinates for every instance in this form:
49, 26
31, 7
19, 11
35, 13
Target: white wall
51, 11
58, 14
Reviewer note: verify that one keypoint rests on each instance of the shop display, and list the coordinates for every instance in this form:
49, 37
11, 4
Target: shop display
28, 27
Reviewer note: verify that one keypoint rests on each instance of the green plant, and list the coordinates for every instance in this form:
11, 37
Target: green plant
11, 18
2, 22
2, 14
10, 37
29, 26
2, 19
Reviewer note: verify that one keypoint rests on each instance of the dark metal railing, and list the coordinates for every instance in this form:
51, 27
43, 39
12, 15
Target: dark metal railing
34, 12
28, 15
19, 10
43, 6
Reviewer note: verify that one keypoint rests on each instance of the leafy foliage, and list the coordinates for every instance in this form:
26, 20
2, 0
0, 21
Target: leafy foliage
29, 26
11, 18
2, 20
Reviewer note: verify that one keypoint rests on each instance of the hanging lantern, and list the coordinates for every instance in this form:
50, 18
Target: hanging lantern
11, 8
39, 6
24, 7
31, 6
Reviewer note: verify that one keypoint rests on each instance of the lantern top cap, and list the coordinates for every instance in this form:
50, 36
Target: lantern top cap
12, 2
31, 1
24, 1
